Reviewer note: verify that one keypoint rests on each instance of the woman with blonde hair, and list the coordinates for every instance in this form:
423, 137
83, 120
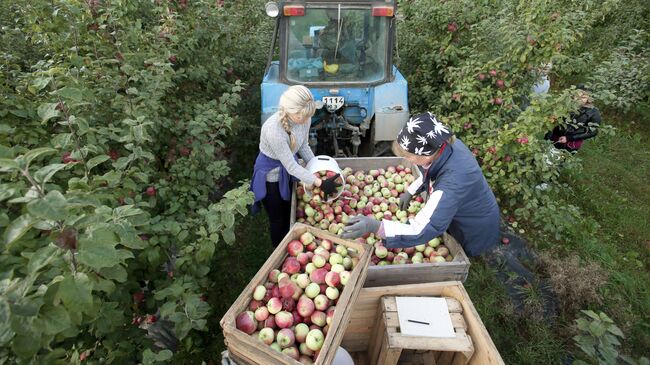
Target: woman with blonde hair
459, 199
285, 134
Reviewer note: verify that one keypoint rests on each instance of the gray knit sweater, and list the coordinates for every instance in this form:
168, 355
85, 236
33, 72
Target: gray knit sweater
275, 143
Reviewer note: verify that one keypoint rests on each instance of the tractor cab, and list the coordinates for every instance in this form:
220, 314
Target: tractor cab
342, 51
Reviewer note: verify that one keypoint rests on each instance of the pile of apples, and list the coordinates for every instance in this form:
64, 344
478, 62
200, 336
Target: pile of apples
292, 312
374, 193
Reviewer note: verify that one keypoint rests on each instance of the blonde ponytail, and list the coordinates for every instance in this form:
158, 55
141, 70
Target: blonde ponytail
296, 99
284, 119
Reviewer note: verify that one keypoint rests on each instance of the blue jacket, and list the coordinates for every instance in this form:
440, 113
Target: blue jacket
459, 201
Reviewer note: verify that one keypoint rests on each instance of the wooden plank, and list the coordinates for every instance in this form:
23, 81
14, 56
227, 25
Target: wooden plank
377, 337
251, 349
429, 358
453, 305
388, 275
388, 355
446, 358
460, 343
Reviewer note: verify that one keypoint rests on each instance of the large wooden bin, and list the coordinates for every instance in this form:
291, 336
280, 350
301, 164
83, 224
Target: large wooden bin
245, 349
457, 269
364, 315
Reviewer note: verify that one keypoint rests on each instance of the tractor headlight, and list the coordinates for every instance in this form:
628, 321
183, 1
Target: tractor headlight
272, 9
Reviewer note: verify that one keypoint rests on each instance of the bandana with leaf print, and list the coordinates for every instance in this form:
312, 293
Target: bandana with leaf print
423, 135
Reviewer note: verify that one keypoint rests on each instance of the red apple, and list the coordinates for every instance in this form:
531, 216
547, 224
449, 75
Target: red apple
321, 302
318, 318
285, 337
332, 279
292, 352
261, 314
305, 306
273, 275
295, 247
288, 304
306, 238
245, 322
284, 319
270, 321
266, 335
287, 288
300, 332
318, 276
151, 191
291, 266
274, 305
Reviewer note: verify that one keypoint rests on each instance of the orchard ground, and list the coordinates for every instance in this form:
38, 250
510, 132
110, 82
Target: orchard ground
611, 190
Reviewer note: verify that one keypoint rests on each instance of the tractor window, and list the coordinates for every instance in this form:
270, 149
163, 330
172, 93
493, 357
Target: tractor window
325, 47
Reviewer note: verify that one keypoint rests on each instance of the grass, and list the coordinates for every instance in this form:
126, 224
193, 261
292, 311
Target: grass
613, 193
612, 246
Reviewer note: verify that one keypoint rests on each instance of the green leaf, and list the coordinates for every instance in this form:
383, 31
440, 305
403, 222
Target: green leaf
229, 219
37, 152
70, 93
42, 257
76, 292
117, 273
7, 164
45, 173
97, 250
149, 357
229, 235
6, 333
597, 329
615, 331
54, 319
39, 84
97, 160
51, 207
48, 111
591, 314
18, 228
25, 345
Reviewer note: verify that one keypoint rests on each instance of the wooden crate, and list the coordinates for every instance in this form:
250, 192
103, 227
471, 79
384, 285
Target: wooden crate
364, 315
458, 269
387, 343
245, 349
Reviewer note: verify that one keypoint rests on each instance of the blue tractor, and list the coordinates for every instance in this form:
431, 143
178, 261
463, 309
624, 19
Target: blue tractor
342, 50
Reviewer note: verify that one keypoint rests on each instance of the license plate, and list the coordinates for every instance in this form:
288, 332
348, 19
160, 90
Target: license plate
333, 102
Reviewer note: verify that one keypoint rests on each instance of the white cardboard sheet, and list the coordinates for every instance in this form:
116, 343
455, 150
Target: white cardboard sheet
424, 316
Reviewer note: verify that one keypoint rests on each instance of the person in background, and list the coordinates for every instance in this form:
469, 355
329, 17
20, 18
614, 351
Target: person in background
284, 135
459, 199
582, 125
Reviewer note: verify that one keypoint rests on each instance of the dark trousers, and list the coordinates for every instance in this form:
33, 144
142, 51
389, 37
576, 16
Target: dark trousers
279, 212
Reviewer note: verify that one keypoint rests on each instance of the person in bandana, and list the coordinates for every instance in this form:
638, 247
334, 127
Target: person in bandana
459, 199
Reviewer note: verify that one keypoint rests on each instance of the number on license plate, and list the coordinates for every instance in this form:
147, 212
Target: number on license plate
333, 102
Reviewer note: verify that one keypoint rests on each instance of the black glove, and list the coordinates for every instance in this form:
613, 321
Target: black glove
328, 186
404, 200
